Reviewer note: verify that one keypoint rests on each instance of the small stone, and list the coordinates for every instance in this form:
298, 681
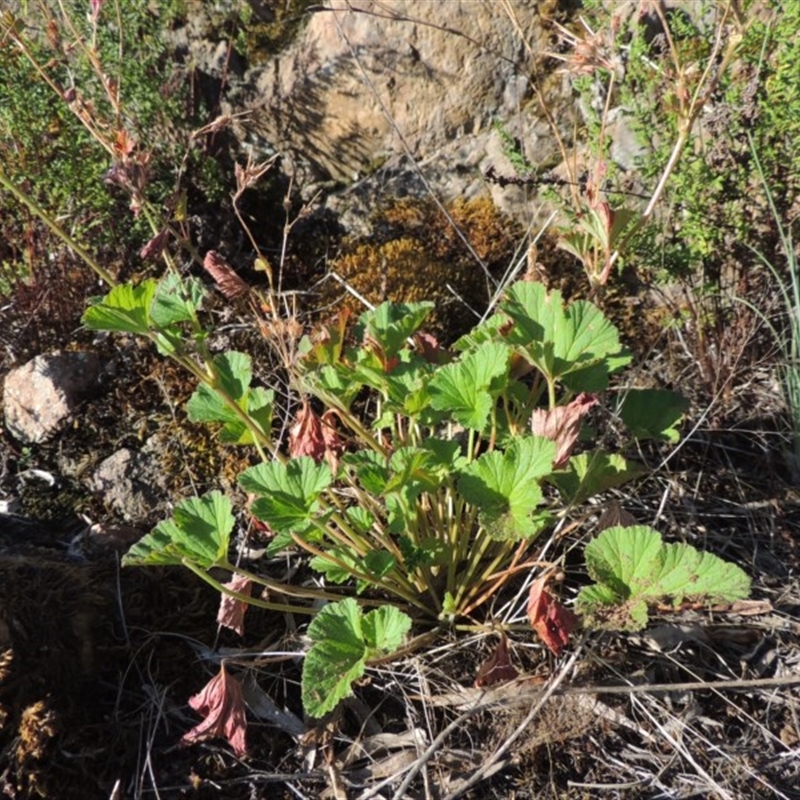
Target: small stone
131, 483
40, 395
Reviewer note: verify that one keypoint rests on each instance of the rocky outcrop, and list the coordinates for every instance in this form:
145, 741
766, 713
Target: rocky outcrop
396, 97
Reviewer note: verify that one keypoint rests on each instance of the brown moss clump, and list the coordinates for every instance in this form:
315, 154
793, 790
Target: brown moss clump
416, 254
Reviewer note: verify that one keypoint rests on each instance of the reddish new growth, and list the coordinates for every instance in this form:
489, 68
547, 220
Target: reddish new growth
551, 621
222, 705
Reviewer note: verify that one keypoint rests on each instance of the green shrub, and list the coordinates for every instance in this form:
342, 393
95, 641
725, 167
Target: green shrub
69, 84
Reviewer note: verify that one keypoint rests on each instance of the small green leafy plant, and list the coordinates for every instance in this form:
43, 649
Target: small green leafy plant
448, 480
634, 569
424, 483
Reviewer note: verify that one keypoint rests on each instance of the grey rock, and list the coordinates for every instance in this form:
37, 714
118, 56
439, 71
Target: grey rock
40, 396
132, 483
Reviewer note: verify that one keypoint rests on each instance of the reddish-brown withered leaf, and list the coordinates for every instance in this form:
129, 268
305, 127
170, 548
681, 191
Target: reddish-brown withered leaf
551, 621
562, 425
222, 705
231, 611
315, 436
228, 282
497, 668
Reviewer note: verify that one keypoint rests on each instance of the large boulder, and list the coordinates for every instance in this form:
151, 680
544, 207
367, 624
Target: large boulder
399, 96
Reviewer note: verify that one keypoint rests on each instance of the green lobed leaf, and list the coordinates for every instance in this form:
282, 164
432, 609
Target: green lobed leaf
677, 568
208, 405
376, 564
258, 404
633, 567
336, 659
379, 563
384, 630
329, 382
401, 512
360, 518
490, 330
429, 551
505, 486
577, 345
446, 456
413, 472
588, 474
653, 413
198, 531
468, 388
713, 579
341, 569
343, 639
404, 387
125, 308
169, 341
234, 372
371, 469
176, 300
391, 324
625, 558
287, 493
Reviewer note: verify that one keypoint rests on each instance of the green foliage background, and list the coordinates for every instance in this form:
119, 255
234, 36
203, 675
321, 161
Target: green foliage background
714, 210
46, 150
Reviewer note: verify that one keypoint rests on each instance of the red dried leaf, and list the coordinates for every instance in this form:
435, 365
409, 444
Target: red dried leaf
155, 246
222, 705
334, 443
315, 436
551, 621
429, 348
562, 425
614, 514
231, 611
497, 668
228, 282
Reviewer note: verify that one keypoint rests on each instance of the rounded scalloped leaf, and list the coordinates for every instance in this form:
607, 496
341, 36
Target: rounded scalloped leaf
199, 531
633, 567
624, 557
344, 638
